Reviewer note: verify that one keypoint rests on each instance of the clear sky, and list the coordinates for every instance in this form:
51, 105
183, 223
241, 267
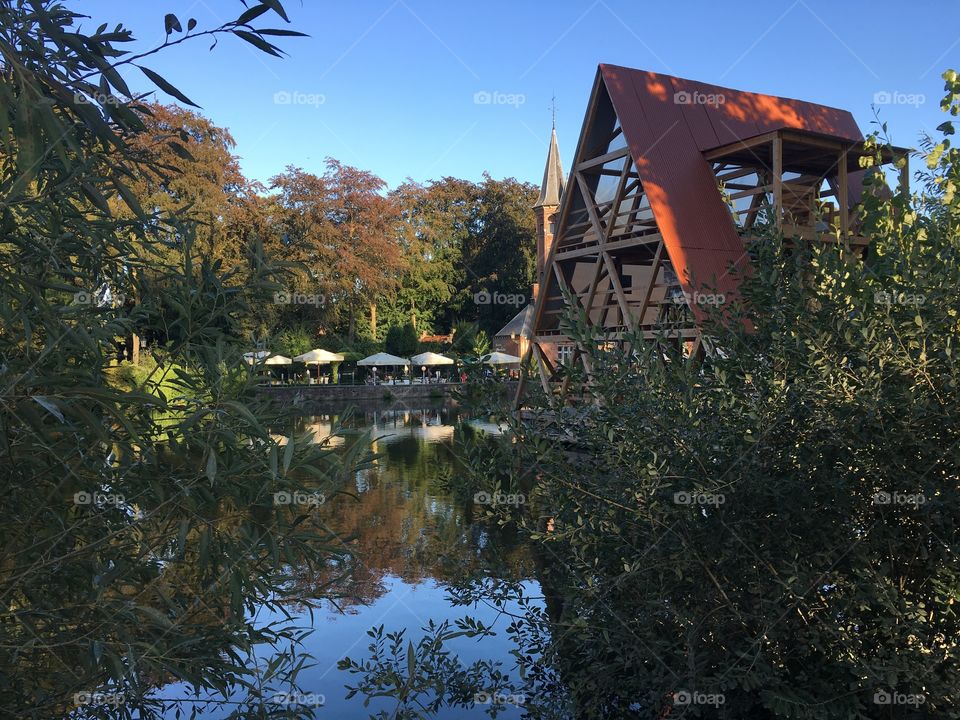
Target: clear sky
428, 88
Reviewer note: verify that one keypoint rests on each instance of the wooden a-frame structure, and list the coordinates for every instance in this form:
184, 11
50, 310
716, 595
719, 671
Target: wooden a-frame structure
670, 179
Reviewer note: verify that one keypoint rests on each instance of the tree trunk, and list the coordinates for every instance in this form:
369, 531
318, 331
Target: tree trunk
373, 320
133, 348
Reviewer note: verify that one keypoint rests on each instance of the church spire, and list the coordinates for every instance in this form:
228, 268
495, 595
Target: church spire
552, 188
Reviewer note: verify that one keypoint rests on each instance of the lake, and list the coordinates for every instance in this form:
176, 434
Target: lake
410, 539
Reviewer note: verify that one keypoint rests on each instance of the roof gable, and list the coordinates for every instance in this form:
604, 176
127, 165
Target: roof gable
668, 123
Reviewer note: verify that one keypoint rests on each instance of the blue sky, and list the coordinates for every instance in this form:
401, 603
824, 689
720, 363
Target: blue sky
392, 86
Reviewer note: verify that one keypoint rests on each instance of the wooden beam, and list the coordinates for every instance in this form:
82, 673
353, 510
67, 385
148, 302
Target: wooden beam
544, 380
739, 146
524, 365
777, 150
590, 205
618, 198
595, 247
654, 272
602, 159
905, 177
735, 174
614, 274
843, 194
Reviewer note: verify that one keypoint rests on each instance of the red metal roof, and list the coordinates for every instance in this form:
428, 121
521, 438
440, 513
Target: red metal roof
667, 137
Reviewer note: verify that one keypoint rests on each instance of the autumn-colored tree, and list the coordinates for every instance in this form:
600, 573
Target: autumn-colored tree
189, 169
340, 228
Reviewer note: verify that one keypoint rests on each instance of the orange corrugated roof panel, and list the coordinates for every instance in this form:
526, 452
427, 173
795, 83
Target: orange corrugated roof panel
667, 137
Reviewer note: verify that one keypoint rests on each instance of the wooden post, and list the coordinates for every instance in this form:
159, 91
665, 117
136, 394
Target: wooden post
905, 177
843, 195
614, 275
777, 151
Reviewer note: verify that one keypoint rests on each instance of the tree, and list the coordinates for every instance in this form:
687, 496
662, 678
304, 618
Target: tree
436, 220
138, 527
402, 340
500, 254
339, 229
461, 240
188, 168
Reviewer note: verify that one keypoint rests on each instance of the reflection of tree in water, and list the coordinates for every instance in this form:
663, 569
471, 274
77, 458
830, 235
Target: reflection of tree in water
398, 518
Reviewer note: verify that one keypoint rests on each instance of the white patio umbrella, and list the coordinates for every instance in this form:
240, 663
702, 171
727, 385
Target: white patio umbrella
383, 358
425, 359
318, 357
500, 358
251, 358
430, 358
278, 360
264, 357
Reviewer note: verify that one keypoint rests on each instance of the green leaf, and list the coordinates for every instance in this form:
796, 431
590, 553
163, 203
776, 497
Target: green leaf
281, 32
277, 8
288, 454
130, 199
180, 151
161, 83
252, 14
182, 536
258, 42
48, 405
171, 24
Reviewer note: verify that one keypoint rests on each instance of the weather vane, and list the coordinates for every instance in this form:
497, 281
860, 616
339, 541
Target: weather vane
553, 110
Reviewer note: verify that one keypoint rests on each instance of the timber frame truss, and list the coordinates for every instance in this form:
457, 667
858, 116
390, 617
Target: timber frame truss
609, 255
804, 184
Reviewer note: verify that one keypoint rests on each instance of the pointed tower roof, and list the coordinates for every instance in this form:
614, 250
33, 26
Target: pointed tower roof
552, 188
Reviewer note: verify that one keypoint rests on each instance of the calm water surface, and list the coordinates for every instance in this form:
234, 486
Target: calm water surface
410, 537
